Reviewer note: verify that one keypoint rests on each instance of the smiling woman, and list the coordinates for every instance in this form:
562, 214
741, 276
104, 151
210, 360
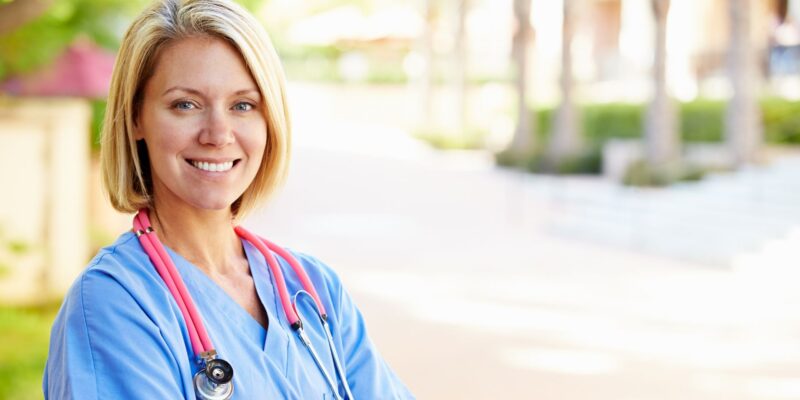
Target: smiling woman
188, 304
204, 125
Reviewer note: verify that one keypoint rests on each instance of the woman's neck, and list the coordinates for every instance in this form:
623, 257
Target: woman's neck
204, 237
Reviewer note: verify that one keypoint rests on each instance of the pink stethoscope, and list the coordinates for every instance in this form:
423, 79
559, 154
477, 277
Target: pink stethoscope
214, 380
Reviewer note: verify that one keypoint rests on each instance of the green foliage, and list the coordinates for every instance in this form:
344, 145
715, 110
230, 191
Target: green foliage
587, 161
38, 42
641, 173
321, 64
311, 63
699, 121
386, 73
702, 121
10, 250
599, 122
512, 159
24, 337
252, 5
317, 68
604, 121
781, 121
447, 139
98, 113
18, 247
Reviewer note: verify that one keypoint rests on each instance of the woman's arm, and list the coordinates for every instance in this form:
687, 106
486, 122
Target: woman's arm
105, 346
368, 374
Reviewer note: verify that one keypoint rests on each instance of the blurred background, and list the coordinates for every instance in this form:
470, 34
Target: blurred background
549, 199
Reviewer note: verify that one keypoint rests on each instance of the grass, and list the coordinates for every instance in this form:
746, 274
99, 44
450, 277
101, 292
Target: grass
450, 139
24, 338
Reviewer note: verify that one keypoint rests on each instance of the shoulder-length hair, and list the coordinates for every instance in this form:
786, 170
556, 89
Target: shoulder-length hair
125, 165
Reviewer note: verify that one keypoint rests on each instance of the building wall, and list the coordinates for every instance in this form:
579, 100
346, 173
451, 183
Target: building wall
45, 164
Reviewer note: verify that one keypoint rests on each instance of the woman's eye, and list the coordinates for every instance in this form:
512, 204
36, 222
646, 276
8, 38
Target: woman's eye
243, 106
183, 105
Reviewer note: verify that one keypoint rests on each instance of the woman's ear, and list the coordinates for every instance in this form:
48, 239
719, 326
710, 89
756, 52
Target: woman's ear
137, 131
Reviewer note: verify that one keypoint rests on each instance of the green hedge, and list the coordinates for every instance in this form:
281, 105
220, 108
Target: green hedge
781, 121
700, 121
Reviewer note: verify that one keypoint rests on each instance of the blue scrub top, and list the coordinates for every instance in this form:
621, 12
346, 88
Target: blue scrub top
120, 334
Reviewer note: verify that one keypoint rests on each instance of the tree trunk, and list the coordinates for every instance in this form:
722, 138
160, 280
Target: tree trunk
460, 70
426, 80
661, 140
565, 138
743, 130
522, 142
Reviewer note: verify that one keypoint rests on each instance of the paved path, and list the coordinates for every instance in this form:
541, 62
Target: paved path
472, 289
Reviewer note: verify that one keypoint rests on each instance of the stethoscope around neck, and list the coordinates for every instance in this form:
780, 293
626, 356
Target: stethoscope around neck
214, 381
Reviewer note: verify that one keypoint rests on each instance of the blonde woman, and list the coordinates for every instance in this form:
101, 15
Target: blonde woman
188, 304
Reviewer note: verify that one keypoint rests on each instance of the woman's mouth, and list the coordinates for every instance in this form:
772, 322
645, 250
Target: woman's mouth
212, 167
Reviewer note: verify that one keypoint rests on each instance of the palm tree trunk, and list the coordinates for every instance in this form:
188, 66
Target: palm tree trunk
461, 65
426, 78
743, 131
661, 140
522, 142
566, 140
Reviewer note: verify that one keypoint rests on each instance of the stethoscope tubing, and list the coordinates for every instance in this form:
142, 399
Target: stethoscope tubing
169, 274
198, 336
264, 246
334, 354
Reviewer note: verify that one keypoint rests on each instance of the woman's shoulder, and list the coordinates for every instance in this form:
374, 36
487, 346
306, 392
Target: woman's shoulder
322, 275
118, 272
314, 266
114, 298
122, 262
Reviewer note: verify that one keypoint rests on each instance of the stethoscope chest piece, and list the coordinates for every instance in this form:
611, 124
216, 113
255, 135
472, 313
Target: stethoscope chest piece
214, 382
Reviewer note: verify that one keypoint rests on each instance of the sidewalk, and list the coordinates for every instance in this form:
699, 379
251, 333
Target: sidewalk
469, 293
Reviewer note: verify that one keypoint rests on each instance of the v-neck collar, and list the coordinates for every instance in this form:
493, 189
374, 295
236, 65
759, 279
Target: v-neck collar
209, 297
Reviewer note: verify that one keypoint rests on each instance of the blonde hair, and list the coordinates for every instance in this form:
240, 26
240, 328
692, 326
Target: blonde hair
125, 175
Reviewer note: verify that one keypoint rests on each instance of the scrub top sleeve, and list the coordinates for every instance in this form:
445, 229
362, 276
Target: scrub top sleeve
369, 376
104, 346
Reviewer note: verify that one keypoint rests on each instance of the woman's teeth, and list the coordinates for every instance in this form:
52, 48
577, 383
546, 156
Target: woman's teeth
206, 166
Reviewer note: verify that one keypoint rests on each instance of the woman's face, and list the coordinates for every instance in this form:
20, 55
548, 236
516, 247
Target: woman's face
202, 120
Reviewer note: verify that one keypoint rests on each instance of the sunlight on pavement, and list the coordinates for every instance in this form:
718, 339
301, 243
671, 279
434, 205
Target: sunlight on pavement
775, 388
648, 324
563, 361
361, 139
774, 266
357, 225
440, 238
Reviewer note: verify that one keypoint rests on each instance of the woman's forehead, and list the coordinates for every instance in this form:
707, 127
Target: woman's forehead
201, 63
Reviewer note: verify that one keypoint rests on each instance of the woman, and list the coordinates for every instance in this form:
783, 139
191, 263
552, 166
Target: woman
186, 305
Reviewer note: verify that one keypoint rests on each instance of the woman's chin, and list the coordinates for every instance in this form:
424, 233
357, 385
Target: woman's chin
213, 204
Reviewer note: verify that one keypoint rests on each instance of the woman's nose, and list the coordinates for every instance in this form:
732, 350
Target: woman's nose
218, 130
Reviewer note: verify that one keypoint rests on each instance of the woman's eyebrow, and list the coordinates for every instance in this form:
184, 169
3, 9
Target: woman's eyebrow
181, 88
247, 91
197, 92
